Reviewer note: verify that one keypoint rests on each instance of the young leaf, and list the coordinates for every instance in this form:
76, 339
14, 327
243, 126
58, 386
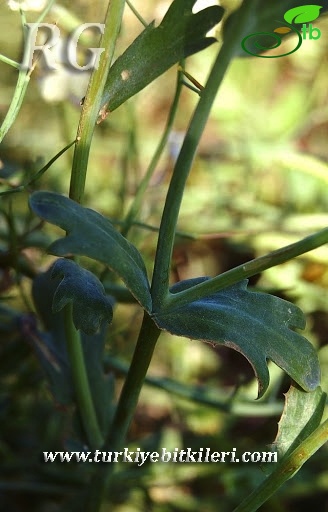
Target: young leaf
90, 234
256, 324
91, 306
302, 415
50, 349
180, 34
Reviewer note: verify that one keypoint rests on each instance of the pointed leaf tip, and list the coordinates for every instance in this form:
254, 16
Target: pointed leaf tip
180, 34
303, 13
256, 324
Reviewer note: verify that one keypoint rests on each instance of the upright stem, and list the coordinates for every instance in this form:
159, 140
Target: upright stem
86, 127
148, 336
93, 99
137, 201
184, 162
23, 80
81, 383
285, 470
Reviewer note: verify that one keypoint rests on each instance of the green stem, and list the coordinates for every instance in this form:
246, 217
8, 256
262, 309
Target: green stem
11, 62
21, 86
184, 162
38, 175
80, 382
126, 406
285, 470
16, 102
86, 127
248, 269
93, 100
203, 395
148, 336
137, 202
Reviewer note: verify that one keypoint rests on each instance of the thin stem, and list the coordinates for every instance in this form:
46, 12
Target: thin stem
148, 336
137, 14
38, 175
93, 100
184, 162
21, 85
79, 169
248, 269
126, 406
45, 11
80, 382
285, 470
137, 202
16, 102
11, 62
203, 396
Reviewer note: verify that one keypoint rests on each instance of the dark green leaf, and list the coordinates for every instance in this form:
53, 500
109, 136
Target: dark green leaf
91, 306
180, 34
50, 348
90, 234
256, 324
266, 17
302, 415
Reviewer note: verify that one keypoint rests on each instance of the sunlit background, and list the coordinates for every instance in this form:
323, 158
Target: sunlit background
259, 181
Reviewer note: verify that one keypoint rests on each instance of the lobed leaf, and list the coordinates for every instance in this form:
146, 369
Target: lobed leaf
90, 234
50, 348
256, 324
180, 34
91, 306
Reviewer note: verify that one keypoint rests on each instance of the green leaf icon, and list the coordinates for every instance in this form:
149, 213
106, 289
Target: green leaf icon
303, 14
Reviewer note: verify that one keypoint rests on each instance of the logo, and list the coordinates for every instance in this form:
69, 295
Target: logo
303, 14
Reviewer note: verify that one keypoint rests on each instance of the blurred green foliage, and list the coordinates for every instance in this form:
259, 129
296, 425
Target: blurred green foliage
259, 182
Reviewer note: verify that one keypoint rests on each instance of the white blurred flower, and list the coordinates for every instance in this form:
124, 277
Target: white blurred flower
64, 82
27, 5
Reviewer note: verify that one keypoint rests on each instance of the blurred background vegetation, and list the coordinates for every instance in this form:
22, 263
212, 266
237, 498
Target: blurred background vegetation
259, 182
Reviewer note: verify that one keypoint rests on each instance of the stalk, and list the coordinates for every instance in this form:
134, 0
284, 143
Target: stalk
285, 470
160, 283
